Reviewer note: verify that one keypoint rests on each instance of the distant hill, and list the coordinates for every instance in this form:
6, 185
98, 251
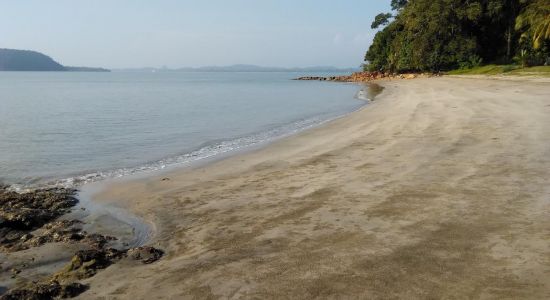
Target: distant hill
26, 60
244, 68
86, 69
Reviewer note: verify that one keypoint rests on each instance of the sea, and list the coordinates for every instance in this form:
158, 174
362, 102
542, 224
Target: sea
71, 128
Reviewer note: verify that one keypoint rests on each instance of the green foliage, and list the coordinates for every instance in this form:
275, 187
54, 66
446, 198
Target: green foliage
381, 20
515, 70
398, 4
528, 55
484, 70
435, 35
535, 21
473, 61
378, 56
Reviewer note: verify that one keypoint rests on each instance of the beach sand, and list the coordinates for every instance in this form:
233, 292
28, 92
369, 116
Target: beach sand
440, 188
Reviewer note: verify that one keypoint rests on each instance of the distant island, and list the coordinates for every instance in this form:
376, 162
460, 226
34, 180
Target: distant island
26, 60
243, 68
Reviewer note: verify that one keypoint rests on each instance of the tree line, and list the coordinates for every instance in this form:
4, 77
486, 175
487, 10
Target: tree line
437, 35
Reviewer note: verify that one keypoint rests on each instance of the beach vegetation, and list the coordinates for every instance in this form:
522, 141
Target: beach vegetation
441, 35
516, 70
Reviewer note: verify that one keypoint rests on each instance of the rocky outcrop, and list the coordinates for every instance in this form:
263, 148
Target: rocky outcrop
86, 263
366, 77
22, 213
50, 290
30, 220
27, 211
146, 255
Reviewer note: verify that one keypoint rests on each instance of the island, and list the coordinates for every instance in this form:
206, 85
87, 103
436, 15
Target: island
26, 60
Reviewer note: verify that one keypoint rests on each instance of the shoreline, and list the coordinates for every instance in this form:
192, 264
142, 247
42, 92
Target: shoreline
204, 153
150, 200
131, 232
95, 191
88, 192
408, 184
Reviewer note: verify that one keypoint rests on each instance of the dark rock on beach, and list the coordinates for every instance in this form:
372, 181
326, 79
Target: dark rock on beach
97, 241
22, 213
62, 231
50, 290
27, 211
86, 263
31, 219
145, 254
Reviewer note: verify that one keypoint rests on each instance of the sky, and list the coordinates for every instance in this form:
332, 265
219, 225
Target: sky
185, 33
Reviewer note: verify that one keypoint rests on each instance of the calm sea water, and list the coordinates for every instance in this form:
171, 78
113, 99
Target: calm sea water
69, 128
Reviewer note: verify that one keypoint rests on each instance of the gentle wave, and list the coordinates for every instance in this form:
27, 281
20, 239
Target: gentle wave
207, 151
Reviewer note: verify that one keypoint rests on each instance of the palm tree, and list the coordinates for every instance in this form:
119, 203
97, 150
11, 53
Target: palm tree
535, 18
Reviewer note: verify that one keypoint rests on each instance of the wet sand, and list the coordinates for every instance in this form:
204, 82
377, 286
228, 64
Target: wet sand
438, 189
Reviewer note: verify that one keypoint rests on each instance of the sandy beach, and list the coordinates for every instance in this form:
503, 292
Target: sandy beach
440, 188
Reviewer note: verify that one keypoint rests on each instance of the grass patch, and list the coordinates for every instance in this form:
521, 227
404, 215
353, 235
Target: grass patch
503, 70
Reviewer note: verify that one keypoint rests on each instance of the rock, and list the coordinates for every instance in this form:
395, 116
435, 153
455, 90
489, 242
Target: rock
50, 290
36, 241
25, 218
86, 263
25, 212
57, 231
26, 237
145, 254
39, 291
60, 231
365, 77
72, 290
12, 240
97, 241
38, 212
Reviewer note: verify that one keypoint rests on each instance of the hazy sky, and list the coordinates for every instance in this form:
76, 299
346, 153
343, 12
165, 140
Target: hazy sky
179, 33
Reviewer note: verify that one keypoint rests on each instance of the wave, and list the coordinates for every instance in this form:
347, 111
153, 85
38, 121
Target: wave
206, 151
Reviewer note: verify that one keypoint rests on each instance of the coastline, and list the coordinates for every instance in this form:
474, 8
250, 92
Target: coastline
89, 191
414, 181
108, 220
206, 151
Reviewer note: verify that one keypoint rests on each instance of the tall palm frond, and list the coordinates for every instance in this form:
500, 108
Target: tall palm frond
535, 20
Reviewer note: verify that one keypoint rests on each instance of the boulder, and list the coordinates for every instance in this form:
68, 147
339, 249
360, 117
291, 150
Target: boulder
145, 254
86, 263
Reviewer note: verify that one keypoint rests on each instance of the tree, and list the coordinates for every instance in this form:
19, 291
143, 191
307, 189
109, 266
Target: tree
535, 21
398, 4
379, 53
434, 35
381, 20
